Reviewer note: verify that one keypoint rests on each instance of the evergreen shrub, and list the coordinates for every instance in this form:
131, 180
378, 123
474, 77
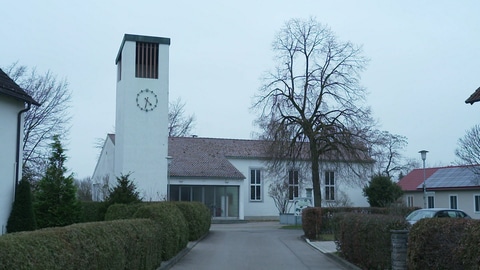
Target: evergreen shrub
312, 222
365, 239
444, 243
22, 217
122, 211
120, 244
198, 218
174, 226
91, 211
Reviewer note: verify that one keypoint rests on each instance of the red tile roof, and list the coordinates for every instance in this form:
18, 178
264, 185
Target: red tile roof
411, 181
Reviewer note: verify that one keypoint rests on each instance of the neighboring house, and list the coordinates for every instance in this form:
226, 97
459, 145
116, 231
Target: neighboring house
474, 97
13, 102
228, 175
455, 187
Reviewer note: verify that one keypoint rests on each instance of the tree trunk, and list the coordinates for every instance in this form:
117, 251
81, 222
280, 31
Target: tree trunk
317, 193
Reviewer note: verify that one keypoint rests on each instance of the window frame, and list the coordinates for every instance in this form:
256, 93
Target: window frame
476, 203
293, 184
450, 197
431, 201
258, 173
410, 200
329, 187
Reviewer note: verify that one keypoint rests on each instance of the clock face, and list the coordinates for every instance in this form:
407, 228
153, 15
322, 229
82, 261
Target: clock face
147, 100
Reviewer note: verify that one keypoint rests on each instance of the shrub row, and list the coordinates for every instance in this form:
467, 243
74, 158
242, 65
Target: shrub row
365, 240
444, 244
181, 221
121, 244
329, 212
312, 222
136, 236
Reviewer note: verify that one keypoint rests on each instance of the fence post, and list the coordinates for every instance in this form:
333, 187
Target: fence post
399, 249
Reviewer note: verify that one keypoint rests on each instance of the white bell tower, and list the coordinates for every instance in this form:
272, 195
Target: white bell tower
141, 125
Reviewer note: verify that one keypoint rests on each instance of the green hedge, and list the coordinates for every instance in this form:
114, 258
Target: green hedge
171, 220
122, 211
91, 211
121, 244
198, 218
365, 239
312, 222
442, 243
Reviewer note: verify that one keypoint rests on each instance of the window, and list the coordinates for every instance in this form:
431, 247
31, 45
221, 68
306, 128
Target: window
255, 185
410, 201
146, 60
309, 192
292, 184
431, 201
453, 202
329, 186
476, 199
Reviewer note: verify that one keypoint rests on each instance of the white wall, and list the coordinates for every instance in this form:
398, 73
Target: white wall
104, 169
141, 142
9, 109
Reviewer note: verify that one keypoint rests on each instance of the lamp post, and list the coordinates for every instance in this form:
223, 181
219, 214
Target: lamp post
423, 154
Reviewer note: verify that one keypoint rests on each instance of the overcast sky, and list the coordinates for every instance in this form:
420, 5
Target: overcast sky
424, 59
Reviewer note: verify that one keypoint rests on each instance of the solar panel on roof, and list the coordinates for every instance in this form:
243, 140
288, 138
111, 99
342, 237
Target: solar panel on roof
452, 177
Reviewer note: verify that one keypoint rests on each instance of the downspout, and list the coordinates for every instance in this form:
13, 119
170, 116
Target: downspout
17, 156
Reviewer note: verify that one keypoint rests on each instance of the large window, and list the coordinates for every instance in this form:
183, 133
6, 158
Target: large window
255, 185
329, 186
410, 201
293, 184
431, 201
476, 199
146, 61
453, 202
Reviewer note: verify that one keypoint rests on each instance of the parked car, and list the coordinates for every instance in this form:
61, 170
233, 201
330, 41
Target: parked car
435, 213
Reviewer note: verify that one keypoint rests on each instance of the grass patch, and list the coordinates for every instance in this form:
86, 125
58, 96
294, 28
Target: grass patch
326, 237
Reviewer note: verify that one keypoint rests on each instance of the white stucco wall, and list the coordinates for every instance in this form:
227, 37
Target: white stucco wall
142, 137
9, 109
104, 172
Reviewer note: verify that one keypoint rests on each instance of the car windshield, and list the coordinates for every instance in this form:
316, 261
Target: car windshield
417, 215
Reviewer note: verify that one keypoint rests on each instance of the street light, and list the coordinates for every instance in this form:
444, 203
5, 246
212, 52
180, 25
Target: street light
423, 153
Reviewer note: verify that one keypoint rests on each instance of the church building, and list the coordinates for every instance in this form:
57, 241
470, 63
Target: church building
227, 175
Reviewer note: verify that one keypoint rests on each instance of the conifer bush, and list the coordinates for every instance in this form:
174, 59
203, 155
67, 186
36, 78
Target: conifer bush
22, 217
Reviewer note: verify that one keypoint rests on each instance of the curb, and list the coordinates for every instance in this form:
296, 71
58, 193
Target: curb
334, 257
165, 265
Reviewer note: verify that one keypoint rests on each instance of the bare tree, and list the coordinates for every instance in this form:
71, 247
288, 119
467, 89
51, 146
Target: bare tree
41, 122
179, 125
84, 189
313, 98
387, 151
468, 148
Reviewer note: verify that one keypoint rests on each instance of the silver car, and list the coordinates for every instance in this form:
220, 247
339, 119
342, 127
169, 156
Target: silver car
435, 213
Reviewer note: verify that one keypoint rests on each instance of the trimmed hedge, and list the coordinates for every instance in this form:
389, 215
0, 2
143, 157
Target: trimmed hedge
91, 211
171, 220
121, 244
444, 243
312, 222
365, 240
122, 211
198, 218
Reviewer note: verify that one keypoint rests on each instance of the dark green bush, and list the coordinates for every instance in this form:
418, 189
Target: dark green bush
91, 211
122, 211
22, 217
365, 239
121, 244
312, 222
173, 224
442, 243
198, 218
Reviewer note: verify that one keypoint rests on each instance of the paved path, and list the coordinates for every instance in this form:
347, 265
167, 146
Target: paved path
256, 245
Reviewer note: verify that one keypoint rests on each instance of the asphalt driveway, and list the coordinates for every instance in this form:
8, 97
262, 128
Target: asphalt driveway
256, 245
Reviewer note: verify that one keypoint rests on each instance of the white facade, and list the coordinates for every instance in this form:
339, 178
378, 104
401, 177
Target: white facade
142, 132
9, 109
